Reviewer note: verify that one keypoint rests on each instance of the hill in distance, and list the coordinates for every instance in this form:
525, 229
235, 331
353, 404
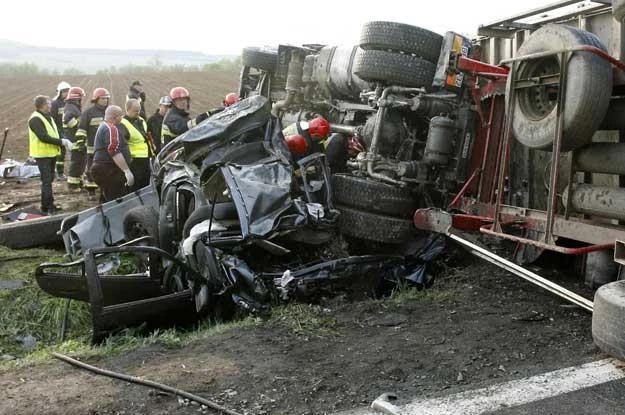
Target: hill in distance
91, 60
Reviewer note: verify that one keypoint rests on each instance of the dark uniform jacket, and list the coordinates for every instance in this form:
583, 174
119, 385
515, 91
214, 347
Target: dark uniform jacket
71, 119
155, 122
90, 120
56, 111
176, 122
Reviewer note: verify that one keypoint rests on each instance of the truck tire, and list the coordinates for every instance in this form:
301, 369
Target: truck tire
401, 37
258, 58
373, 227
393, 68
608, 319
588, 90
372, 196
141, 221
618, 9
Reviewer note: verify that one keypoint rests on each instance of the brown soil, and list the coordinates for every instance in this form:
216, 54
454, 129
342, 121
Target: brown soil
477, 326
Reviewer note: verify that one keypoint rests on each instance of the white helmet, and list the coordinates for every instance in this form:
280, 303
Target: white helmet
62, 85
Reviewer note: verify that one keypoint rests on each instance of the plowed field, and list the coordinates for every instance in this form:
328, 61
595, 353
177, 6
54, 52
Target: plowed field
207, 90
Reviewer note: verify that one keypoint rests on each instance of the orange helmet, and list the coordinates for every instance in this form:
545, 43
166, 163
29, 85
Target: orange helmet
100, 93
231, 98
179, 92
75, 92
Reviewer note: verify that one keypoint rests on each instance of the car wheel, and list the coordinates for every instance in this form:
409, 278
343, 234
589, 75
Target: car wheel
401, 38
373, 227
588, 90
372, 196
141, 221
393, 68
608, 319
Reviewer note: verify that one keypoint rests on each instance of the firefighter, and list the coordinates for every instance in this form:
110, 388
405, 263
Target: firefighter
135, 91
111, 159
155, 122
44, 146
90, 120
177, 120
71, 119
58, 107
230, 99
136, 130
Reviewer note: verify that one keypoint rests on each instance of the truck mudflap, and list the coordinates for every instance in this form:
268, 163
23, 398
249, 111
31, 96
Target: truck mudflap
124, 285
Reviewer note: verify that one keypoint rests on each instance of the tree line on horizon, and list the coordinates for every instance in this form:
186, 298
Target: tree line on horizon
155, 66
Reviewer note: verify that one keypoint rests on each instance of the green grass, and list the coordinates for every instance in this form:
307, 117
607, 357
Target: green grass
30, 311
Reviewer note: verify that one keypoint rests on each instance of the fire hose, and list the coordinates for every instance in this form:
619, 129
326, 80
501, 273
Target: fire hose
148, 383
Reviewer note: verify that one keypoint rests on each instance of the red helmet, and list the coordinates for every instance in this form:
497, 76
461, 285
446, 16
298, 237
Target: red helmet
100, 93
75, 92
231, 98
297, 144
319, 128
179, 92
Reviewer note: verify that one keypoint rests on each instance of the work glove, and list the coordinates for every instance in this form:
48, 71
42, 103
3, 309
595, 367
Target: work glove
201, 117
130, 178
67, 144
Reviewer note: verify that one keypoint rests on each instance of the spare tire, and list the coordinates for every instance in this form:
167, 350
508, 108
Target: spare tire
618, 9
401, 37
373, 196
393, 68
373, 227
264, 59
608, 319
588, 90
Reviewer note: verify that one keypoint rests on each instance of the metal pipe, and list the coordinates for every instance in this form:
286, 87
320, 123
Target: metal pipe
523, 273
343, 129
608, 158
604, 201
373, 148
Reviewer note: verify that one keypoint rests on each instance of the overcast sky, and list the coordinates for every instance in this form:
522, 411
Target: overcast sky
216, 27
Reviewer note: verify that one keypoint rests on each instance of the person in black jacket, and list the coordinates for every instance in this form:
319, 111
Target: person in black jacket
177, 120
56, 111
155, 122
136, 92
71, 119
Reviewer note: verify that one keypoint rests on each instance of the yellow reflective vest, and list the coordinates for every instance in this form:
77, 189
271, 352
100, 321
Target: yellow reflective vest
38, 148
136, 141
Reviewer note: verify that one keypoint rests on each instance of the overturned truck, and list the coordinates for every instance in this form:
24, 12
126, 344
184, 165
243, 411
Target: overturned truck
429, 135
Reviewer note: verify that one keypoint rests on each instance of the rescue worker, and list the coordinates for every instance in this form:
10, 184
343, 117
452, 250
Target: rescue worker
136, 131
177, 120
71, 119
135, 91
44, 146
90, 120
58, 107
111, 160
155, 122
229, 99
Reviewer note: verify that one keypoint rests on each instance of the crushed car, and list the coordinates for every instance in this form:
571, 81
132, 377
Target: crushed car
231, 220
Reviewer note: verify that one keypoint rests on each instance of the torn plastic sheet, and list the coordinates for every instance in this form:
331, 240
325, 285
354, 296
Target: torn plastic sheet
262, 195
12, 168
430, 248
